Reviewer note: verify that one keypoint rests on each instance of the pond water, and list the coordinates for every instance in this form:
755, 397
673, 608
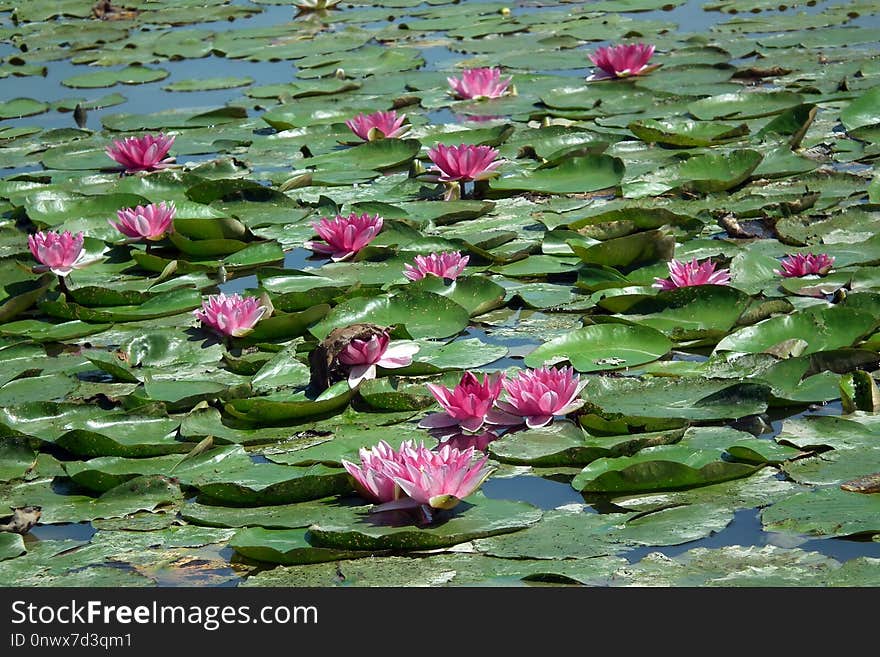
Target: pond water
691, 18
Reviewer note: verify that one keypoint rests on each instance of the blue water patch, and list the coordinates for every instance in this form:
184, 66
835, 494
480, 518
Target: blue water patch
543, 493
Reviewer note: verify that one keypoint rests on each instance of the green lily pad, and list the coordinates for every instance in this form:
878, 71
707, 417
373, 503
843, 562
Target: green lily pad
11, 546
564, 444
574, 175
288, 409
283, 546
141, 493
658, 468
692, 398
279, 516
268, 483
822, 328
862, 111
705, 173
744, 105
425, 314
602, 347
106, 472
476, 517
825, 512
128, 75
748, 566
686, 133
19, 107
638, 248
208, 84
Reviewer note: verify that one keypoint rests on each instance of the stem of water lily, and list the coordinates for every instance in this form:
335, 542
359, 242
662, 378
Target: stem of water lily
480, 189
453, 191
62, 285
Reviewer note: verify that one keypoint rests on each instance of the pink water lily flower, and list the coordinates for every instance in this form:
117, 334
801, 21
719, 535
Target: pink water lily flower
448, 265
345, 236
378, 125
537, 395
374, 477
686, 274
145, 153
802, 264
364, 356
466, 405
438, 480
464, 162
621, 61
478, 83
231, 315
59, 253
150, 222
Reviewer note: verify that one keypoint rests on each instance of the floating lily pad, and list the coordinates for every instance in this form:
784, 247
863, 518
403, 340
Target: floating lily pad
267, 483
128, 75
106, 472
603, 347
749, 566
574, 175
690, 397
824, 512
142, 493
658, 468
822, 329
11, 546
686, 133
564, 444
476, 517
284, 546
19, 107
208, 84
425, 314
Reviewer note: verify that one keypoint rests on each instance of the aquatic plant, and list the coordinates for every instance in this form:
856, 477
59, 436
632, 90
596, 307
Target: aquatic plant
467, 405
465, 162
804, 264
621, 61
448, 265
686, 274
59, 253
476, 83
364, 356
146, 153
345, 236
378, 125
149, 222
535, 396
230, 315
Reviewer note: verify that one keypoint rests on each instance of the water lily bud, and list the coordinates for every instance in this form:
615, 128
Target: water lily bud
504, 11
340, 74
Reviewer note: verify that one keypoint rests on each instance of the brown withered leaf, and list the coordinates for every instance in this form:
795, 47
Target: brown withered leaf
22, 520
757, 73
105, 10
323, 361
867, 484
